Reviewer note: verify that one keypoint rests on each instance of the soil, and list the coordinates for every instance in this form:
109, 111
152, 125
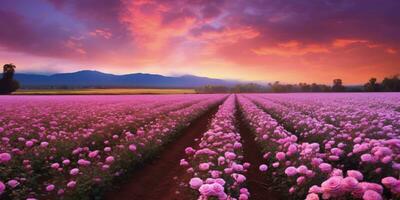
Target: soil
257, 182
160, 178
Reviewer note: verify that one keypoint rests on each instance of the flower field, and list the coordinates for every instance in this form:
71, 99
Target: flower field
312, 146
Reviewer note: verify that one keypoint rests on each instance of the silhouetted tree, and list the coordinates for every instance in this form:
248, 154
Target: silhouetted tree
304, 87
391, 84
249, 88
213, 89
372, 86
338, 86
7, 83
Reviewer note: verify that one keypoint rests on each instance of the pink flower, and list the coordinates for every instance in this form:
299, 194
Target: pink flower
66, 162
195, 183
71, 184
2, 187
55, 165
372, 195
386, 159
93, 154
290, 171
237, 167
332, 185
292, 149
221, 161
13, 183
239, 178
312, 196
83, 162
244, 191
325, 167
105, 167
349, 183
263, 167
50, 188
189, 151
5, 157
315, 189
214, 189
183, 163
215, 173
367, 158
230, 155
110, 159
60, 192
237, 145
44, 144
204, 166
302, 169
389, 181
280, 156
132, 147
74, 171
246, 165
243, 197
372, 186
355, 174
29, 143
300, 180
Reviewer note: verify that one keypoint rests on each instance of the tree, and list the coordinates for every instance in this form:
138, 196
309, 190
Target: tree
338, 86
7, 83
372, 86
391, 84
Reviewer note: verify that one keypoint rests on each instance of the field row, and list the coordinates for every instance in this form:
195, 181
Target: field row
336, 146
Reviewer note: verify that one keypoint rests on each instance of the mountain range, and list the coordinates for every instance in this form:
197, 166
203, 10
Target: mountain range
89, 78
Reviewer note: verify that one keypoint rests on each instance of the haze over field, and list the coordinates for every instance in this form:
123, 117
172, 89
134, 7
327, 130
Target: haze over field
291, 41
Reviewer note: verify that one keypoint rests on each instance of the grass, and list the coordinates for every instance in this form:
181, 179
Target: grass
102, 91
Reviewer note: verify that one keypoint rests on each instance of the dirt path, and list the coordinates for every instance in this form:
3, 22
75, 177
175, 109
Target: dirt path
256, 181
159, 178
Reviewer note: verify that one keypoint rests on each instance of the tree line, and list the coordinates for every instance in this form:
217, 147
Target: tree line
389, 84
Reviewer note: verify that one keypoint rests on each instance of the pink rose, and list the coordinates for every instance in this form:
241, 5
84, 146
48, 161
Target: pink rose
74, 171
325, 167
389, 181
372, 195
290, 171
50, 188
195, 183
312, 196
332, 185
263, 167
13, 183
132, 147
204, 166
280, 156
71, 184
355, 174
2, 187
5, 157
110, 159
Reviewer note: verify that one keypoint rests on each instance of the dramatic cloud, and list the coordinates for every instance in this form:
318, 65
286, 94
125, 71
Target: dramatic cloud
292, 41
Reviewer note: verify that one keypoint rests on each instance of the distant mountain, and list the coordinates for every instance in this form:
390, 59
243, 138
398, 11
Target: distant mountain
89, 78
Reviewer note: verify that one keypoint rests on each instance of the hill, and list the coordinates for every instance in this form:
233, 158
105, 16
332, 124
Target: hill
89, 78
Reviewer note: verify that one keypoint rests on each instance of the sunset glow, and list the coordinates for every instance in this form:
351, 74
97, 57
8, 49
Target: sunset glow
289, 41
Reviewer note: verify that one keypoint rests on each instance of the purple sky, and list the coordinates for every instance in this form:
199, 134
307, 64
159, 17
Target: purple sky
287, 40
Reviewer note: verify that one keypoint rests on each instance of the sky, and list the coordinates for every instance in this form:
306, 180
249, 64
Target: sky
254, 40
